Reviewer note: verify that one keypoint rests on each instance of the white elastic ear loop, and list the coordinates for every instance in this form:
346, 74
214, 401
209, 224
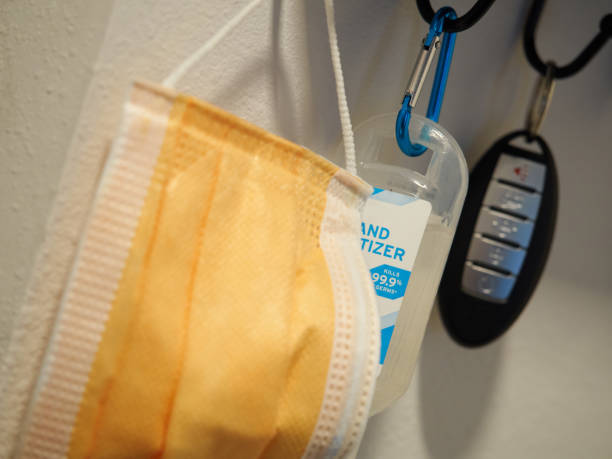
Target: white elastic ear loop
213, 41
345, 116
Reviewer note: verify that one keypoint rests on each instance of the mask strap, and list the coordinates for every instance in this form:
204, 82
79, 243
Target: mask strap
180, 71
345, 116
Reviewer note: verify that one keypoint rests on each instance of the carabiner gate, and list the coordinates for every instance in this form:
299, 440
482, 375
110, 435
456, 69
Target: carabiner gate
430, 44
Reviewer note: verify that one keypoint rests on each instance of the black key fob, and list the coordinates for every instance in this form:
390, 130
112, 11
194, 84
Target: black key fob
502, 240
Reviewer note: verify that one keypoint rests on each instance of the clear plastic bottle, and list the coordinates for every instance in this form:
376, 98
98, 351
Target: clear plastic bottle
439, 176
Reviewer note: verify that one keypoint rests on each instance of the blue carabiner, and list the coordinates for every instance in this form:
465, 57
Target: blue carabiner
430, 44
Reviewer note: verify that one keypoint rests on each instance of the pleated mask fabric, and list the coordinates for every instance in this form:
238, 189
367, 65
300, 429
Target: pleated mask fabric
218, 306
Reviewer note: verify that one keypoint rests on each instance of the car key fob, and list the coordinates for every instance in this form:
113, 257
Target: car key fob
502, 240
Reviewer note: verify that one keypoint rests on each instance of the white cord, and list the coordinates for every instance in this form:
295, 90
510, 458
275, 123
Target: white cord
184, 67
345, 116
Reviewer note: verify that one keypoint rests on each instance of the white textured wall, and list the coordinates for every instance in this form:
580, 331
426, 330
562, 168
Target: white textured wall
541, 391
47, 52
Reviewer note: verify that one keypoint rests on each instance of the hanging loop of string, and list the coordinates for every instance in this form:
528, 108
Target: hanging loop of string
348, 136
458, 24
579, 61
345, 119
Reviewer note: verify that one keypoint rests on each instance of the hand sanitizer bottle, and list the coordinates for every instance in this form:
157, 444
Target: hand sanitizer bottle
407, 229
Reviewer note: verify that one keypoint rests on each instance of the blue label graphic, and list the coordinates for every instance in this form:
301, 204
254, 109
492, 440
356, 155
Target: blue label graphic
389, 282
385, 339
392, 227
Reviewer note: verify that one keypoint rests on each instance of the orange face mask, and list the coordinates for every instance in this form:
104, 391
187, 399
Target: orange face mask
219, 305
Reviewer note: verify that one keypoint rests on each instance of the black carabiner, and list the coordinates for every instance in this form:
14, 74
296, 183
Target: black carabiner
461, 23
579, 61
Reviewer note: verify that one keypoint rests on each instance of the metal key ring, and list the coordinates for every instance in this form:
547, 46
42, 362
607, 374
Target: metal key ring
540, 101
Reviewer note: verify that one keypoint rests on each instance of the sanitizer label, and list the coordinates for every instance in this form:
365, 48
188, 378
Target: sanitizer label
391, 231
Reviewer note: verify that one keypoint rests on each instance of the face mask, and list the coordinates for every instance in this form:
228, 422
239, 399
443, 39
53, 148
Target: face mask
218, 305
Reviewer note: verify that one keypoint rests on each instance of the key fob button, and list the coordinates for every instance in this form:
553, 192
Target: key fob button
512, 200
520, 171
504, 227
486, 284
495, 254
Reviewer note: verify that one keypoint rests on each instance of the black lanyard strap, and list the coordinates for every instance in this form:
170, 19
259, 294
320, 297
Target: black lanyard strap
461, 23
580, 61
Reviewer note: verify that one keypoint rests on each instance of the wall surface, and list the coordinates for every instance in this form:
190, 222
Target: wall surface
47, 54
543, 390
